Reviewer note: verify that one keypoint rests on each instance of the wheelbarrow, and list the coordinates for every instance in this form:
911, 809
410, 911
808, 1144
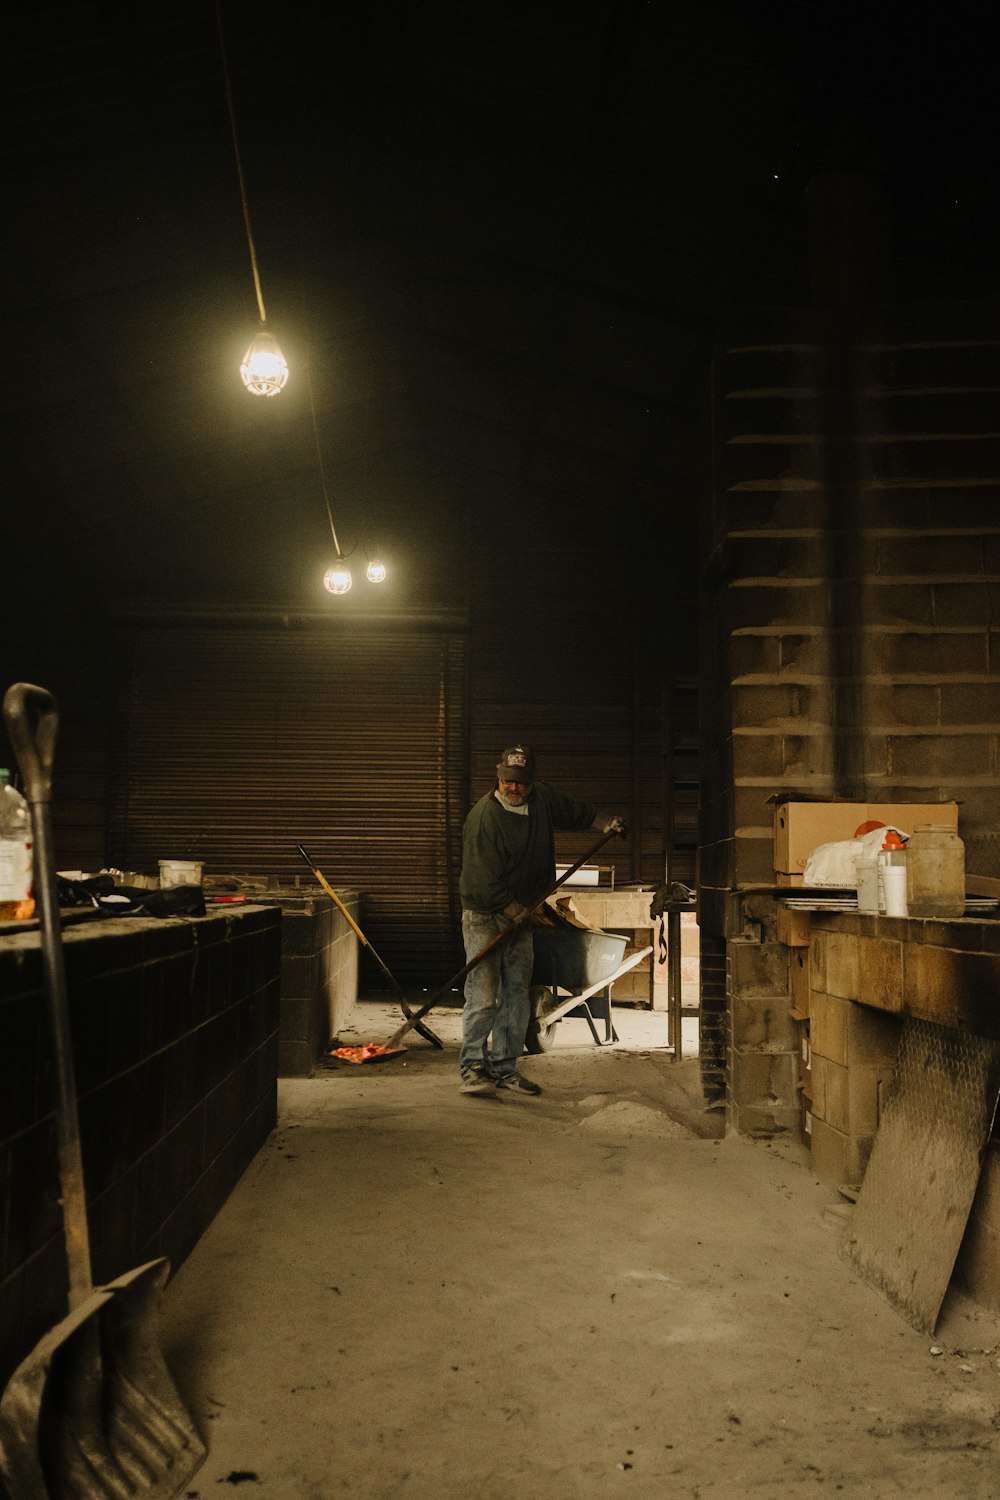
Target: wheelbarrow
574, 970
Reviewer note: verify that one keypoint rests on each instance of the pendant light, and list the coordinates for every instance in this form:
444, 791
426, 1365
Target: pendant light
264, 370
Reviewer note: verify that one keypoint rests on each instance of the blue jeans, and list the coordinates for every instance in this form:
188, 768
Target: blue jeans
497, 994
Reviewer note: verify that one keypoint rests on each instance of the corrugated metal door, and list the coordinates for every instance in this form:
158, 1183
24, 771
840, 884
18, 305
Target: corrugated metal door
238, 743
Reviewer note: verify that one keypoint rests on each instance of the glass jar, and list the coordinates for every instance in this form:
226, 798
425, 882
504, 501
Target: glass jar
935, 872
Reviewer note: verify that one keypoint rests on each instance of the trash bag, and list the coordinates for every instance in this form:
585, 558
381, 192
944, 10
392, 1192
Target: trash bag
836, 864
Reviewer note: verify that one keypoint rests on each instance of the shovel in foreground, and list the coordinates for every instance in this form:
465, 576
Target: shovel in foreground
92, 1413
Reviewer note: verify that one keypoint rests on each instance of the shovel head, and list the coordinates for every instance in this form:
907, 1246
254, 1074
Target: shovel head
92, 1413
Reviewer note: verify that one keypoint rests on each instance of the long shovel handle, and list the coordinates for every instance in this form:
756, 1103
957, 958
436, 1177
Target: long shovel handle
32, 723
357, 930
501, 937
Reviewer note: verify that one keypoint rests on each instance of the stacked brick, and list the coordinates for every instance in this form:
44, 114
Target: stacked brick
851, 644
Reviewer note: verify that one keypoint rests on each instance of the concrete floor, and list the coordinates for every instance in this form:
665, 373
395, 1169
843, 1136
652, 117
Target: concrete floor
417, 1295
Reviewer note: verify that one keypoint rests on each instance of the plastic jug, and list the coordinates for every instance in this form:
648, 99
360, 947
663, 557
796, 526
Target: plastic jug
892, 869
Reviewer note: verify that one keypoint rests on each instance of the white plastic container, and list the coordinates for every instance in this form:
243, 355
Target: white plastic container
935, 872
869, 886
180, 872
894, 885
16, 900
892, 874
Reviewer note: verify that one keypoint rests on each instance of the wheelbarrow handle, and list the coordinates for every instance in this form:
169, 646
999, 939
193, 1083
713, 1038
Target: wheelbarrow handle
32, 721
501, 937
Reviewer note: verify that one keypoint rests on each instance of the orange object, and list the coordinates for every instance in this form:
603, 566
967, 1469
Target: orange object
370, 1052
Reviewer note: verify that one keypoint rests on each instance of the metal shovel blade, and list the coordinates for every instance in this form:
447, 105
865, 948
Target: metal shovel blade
93, 1413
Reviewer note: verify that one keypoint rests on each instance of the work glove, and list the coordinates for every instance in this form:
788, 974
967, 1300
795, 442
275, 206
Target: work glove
618, 826
514, 911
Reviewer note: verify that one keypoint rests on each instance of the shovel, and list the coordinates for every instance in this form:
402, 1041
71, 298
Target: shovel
417, 1016
92, 1413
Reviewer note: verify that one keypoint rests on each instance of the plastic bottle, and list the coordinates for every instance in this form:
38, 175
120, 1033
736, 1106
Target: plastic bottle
935, 872
16, 900
892, 868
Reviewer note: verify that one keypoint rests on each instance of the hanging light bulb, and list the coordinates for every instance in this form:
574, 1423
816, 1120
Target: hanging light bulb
264, 370
376, 571
338, 578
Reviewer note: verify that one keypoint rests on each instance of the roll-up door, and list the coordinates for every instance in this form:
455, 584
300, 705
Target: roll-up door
236, 743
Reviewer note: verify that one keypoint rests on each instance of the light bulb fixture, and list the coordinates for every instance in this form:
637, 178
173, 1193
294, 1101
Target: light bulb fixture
376, 571
264, 370
338, 578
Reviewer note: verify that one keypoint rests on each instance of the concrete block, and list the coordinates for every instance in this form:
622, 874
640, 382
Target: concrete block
828, 1027
777, 604
948, 756
934, 557
763, 1024
757, 755
296, 1017
842, 965
806, 655
753, 656
768, 705
771, 1119
880, 973
766, 1079
961, 604
930, 656
898, 604
830, 1093
753, 863
817, 962
758, 968
903, 705
872, 1038
837, 1158
295, 1059
969, 703
626, 912
300, 973
932, 982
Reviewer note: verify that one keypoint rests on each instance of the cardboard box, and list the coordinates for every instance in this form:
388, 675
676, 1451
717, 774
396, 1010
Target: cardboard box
793, 927
800, 827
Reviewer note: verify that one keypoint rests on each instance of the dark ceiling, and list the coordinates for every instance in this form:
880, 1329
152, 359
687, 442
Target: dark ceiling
501, 237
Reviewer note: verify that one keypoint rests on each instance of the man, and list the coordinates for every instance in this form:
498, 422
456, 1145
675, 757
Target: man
508, 863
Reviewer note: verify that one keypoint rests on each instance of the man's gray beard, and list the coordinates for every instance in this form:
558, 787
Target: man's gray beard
511, 806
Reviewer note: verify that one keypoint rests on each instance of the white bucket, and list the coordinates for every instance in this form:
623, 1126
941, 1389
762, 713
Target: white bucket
180, 872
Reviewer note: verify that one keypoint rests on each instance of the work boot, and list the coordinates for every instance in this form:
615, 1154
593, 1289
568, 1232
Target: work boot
517, 1083
476, 1080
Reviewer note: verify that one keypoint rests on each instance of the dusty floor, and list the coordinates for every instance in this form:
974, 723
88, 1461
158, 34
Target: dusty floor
422, 1295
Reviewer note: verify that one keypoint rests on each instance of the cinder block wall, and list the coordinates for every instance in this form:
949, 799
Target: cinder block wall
175, 1044
319, 975
851, 640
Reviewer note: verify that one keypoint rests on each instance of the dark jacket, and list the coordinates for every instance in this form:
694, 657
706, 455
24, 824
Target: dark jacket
509, 857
